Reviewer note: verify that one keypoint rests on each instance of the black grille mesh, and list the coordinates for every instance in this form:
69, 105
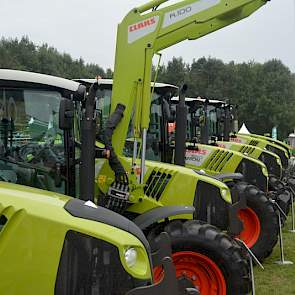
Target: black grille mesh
210, 207
253, 174
280, 153
271, 163
92, 266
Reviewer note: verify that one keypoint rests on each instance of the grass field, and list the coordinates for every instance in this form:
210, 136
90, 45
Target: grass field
276, 279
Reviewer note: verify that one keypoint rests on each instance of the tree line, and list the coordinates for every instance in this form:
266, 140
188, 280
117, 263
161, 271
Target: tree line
24, 55
264, 92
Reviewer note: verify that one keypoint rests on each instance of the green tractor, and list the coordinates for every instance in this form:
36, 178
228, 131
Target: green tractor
259, 233
282, 144
51, 243
230, 130
49, 159
54, 244
233, 168
281, 149
218, 127
289, 173
134, 93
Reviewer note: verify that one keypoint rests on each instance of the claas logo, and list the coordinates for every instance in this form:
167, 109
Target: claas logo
147, 23
197, 152
222, 145
235, 139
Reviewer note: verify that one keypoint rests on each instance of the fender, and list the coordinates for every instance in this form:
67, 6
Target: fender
233, 176
222, 176
82, 209
148, 218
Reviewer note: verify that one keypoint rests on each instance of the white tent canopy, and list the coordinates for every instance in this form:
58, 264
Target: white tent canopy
244, 129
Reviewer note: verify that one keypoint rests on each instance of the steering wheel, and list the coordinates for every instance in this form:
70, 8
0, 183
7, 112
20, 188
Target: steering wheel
35, 153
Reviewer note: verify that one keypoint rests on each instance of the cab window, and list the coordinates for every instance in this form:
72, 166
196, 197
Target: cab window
103, 109
31, 144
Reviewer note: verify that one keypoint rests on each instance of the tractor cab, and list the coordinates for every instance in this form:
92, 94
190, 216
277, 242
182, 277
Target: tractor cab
227, 130
211, 122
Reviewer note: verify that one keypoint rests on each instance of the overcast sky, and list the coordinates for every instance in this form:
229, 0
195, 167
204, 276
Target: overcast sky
88, 29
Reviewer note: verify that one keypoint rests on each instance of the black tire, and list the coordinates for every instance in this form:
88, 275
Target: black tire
200, 238
291, 181
280, 193
264, 210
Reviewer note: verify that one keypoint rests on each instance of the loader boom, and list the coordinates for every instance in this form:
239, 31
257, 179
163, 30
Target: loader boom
148, 29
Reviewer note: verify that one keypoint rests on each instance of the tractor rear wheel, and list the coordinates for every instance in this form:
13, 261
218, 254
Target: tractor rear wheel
206, 257
259, 219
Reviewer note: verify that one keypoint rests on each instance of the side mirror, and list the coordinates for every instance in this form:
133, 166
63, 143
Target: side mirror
66, 114
220, 115
194, 106
80, 93
169, 113
196, 121
57, 176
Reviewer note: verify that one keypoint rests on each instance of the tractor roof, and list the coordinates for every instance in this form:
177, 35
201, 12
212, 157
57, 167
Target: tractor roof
37, 79
110, 82
200, 99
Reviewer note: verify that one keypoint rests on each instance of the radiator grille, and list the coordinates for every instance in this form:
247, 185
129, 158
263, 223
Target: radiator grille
210, 207
157, 182
218, 160
254, 142
245, 149
280, 153
271, 163
253, 174
92, 266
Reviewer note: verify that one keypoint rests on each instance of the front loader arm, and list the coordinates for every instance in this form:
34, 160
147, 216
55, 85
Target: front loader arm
148, 29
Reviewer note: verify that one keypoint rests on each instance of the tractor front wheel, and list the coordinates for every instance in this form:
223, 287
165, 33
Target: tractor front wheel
207, 258
259, 219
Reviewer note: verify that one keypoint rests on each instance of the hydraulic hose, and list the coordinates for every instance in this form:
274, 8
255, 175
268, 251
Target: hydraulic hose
115, 164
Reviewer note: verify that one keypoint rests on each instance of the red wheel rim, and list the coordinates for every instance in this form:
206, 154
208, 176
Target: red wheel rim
200, 269
251, 223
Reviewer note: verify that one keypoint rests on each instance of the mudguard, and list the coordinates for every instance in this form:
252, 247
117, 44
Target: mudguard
233, 176
148, 218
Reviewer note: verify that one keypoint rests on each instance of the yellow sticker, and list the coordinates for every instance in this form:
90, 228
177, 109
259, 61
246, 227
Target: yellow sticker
102, 179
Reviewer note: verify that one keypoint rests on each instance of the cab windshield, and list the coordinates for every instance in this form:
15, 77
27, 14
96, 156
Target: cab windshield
196, 121
31, 143
155, 133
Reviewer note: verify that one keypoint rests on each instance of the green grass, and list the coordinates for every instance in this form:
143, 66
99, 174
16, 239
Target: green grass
277, 279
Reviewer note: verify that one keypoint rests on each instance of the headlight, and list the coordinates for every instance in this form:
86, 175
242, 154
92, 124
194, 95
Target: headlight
225, 194
131, 257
